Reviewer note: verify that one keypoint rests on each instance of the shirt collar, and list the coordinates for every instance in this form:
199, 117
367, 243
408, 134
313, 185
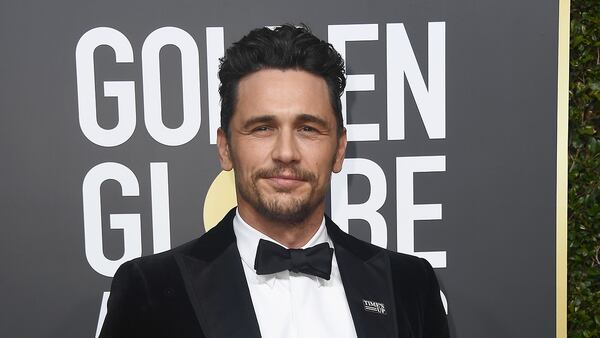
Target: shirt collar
248, 237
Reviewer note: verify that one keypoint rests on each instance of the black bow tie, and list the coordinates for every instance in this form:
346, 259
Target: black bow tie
273, 258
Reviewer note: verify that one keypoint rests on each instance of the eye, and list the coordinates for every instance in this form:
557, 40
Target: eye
261, 130
307, 129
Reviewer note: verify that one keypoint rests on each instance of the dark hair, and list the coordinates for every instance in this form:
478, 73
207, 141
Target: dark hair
284, 47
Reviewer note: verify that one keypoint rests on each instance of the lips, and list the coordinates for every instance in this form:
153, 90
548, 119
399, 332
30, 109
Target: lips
285, 178
285, 182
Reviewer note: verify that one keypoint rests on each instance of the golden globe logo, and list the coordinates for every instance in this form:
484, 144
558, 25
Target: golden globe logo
220, 198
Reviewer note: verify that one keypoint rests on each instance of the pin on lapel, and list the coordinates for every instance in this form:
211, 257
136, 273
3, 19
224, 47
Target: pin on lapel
375, 307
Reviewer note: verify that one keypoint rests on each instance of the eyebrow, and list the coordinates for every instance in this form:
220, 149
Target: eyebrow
258, 119
311, 118
270, 118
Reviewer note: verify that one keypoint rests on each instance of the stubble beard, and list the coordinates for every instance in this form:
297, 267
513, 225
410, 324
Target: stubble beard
284, 209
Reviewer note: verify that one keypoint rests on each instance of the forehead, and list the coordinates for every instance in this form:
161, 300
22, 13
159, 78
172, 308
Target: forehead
283, 93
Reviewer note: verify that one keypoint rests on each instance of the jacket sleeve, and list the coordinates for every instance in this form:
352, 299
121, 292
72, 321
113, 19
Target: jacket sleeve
435, 323
128, 310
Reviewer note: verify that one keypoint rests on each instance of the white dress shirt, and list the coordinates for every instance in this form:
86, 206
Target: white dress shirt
294, 305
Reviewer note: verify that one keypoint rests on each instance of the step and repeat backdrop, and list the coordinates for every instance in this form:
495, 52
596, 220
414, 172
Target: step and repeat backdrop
109, 111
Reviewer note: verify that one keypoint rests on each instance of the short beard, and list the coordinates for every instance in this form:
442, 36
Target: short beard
296, 211
293, 214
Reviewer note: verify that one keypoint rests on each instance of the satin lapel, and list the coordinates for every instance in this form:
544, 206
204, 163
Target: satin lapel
366, 276
217, 287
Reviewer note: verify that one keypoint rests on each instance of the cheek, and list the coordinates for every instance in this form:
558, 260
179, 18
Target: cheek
246, 154
322, 169
326, 161
254, 150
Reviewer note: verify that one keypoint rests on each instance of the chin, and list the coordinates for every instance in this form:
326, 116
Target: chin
292, 211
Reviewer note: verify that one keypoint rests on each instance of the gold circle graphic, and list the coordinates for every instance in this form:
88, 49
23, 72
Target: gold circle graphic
220, 198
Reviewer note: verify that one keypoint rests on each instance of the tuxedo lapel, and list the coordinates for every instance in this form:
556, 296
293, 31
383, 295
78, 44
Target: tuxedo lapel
216, 284
366, 277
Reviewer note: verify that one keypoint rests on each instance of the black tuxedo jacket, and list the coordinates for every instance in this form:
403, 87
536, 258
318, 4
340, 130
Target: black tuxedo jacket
199, 290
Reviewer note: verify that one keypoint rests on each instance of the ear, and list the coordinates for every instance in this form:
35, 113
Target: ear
340, 152
223, 150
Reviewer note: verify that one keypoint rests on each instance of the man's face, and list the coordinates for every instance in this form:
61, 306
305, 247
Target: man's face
283, 144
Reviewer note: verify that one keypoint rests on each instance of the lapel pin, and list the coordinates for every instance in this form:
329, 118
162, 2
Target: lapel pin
375, 307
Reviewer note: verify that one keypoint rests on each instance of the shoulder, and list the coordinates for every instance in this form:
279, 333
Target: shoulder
408, 271
146, 270
205, 248
411, 268
399, 262
145, 291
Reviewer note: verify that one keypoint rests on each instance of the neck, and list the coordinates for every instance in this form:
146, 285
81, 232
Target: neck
292, 236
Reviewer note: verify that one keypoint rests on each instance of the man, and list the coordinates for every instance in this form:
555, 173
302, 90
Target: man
276, 266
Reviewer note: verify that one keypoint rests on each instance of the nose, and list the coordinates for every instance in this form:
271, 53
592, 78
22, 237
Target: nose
286, 148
